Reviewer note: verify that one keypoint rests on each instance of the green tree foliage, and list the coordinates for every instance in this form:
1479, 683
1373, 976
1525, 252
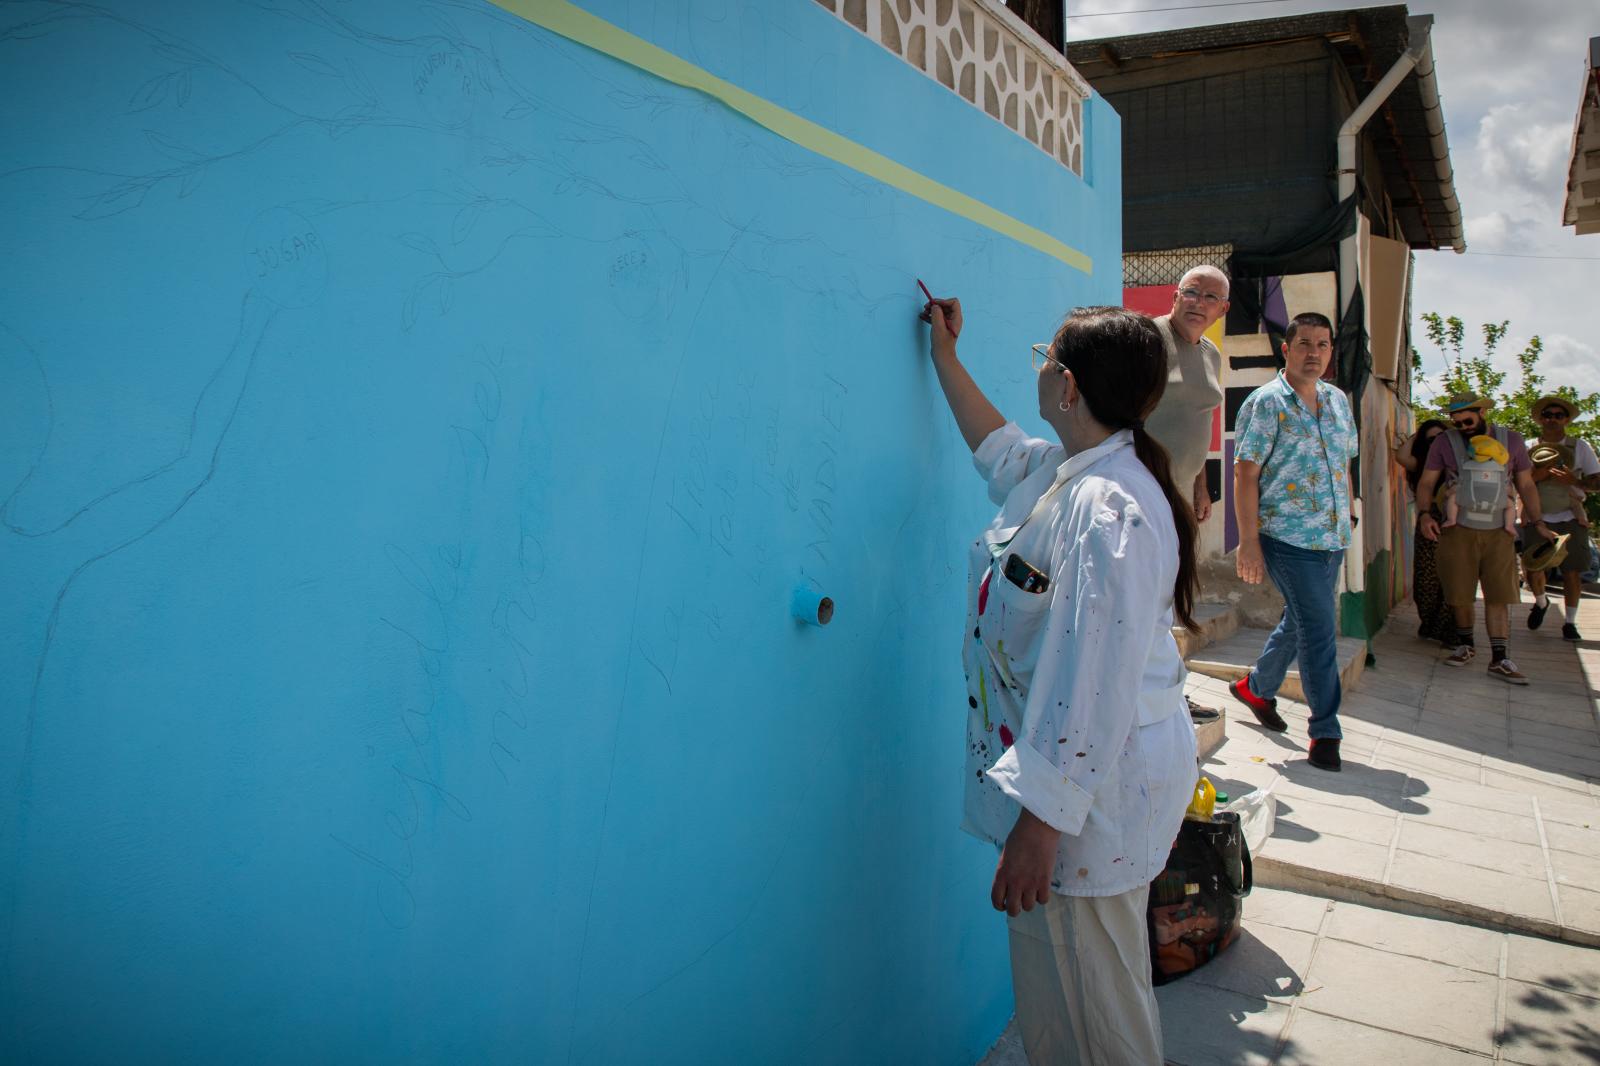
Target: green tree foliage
1476, 373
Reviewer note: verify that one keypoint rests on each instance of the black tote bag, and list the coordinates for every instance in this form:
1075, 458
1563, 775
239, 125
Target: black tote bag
1195, 903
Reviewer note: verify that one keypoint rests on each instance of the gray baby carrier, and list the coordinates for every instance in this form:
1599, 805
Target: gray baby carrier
1482, 487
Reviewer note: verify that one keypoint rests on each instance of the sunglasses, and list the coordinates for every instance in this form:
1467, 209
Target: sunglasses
1554, 412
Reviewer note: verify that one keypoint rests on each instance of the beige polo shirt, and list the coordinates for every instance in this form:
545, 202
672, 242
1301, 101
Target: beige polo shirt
1182, 420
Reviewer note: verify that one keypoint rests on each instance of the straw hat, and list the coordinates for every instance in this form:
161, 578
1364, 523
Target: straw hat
1545, 554
1542, 455
1551, 398
1468, 401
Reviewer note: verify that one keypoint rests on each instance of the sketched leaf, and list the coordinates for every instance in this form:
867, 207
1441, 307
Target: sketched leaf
465, 219
114, 201
420, 242
626, 101
150, 93
359, 85
179, 54
520, 110
446, 293
316, 64
648, 161
660, 109
444, 24
172, 149
408, 312
183, 87
190, 182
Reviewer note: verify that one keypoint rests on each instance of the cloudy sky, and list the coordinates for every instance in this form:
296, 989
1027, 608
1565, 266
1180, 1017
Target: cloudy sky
1509, 76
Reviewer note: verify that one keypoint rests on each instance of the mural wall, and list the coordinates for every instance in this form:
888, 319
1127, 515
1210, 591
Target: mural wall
418, 418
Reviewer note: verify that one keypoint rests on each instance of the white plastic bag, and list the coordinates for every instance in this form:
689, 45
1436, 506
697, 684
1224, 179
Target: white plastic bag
1258, 812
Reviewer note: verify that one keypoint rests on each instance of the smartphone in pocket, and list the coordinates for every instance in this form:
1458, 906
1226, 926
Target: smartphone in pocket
1025, 575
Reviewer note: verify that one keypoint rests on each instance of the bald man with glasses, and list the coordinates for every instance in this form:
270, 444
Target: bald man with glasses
1182, 419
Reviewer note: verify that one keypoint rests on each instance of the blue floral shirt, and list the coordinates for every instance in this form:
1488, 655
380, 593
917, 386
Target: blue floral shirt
1305, 460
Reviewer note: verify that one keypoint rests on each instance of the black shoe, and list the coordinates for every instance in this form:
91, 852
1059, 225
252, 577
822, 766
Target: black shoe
1536, 616
1324, 754
1266, 711
1570, 632
1201, 715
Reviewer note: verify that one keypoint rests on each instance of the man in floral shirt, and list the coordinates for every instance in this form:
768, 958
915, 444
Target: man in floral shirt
1293, 442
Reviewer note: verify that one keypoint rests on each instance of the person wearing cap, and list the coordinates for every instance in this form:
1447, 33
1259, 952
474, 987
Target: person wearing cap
1562, 464
1477, 550
1293, 439
1187, 409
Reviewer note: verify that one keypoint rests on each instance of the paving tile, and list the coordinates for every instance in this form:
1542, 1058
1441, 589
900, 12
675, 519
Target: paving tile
1517, 825
1481, 887
1290, 910
1440, 1003
1580, 908
1450, 943
1464, 794
1331, 855
1267, 961
1451, 744
1307, 815
1474, 848
1564, 967
1578, 838
1576, 868
1578, 810
1206, 1026
1349, 796
1568, 774
1427, 765
1319, 1040
1549, 1028
1536, 785
1546, 734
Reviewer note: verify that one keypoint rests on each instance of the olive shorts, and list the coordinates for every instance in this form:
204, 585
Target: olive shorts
1468, 557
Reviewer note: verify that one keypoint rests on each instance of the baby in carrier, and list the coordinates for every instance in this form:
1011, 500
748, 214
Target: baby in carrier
1484, 449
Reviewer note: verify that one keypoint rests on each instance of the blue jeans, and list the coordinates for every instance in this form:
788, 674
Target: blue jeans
1307, 631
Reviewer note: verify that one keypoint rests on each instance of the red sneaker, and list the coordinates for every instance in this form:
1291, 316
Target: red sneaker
1266, 711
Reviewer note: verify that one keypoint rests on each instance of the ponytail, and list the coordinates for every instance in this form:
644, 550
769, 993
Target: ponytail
1120, 362
1159, 463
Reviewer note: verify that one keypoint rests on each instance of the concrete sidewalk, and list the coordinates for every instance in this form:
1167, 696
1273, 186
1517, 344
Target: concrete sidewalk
1413, 907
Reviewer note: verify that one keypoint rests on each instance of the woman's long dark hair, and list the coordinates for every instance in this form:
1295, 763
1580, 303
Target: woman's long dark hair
1119, 361
1420, 445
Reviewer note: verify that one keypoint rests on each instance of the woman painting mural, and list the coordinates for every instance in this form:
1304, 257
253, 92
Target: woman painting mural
1081, 756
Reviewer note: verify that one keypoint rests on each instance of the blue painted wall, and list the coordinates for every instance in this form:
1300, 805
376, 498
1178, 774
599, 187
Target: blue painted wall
412, 425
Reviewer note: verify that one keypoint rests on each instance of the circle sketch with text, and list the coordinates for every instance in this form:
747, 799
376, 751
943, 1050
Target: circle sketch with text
444, 85
284, 259
641, 280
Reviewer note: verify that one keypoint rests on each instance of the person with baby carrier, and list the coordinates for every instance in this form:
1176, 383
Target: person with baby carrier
1486, 463
1566, 470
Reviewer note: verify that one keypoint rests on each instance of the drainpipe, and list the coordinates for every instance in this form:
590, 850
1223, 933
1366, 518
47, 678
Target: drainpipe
1418, 29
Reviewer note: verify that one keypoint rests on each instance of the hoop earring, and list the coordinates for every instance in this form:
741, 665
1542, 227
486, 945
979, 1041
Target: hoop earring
1064, 406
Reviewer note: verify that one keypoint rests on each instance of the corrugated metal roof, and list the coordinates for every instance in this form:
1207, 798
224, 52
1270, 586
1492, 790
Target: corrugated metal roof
1367, 41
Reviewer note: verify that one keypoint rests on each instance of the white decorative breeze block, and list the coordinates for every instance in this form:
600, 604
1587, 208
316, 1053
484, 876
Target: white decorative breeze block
981, 50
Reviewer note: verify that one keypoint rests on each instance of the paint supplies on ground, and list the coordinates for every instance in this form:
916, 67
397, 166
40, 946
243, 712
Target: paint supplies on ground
1196, 902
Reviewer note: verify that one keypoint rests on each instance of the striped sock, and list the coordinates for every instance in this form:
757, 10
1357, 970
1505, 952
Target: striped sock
1497, 649
1464, 636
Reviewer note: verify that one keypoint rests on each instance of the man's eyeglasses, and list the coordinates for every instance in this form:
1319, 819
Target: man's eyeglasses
1554, 412
1463, 423
1042, 358
1210, 299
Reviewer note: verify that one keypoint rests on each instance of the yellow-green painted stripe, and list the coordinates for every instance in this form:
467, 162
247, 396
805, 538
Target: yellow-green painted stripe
578, 25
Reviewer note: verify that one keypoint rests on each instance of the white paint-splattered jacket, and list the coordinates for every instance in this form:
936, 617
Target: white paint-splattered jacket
1075, 695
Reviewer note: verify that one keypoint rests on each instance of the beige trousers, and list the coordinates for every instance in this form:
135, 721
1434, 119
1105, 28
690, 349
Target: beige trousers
1080, 968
